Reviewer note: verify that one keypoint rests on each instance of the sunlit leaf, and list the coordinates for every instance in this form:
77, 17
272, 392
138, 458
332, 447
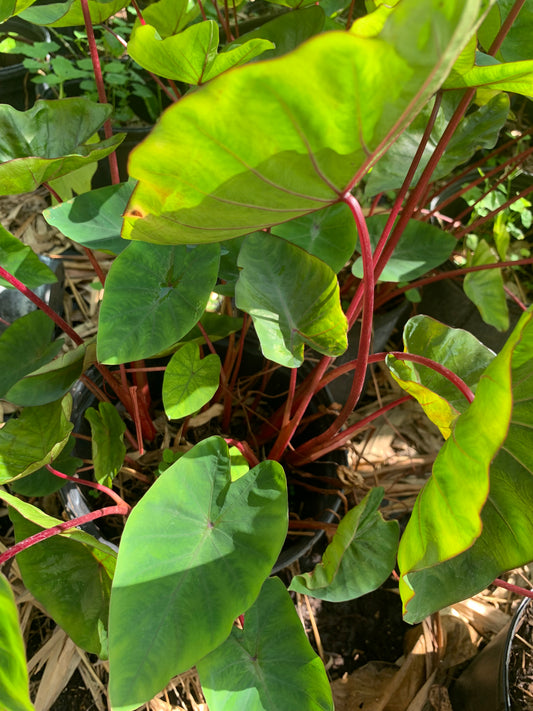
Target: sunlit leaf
21, 261
454, 348
14, 681
189, 381
473, 518
290, 149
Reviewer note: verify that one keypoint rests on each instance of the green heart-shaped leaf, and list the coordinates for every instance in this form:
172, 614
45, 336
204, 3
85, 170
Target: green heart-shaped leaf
287, 317
195, 550
259, 669
313, 123
142, 319
189, 381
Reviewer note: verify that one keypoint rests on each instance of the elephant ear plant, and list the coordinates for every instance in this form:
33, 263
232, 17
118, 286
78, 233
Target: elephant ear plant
300, 189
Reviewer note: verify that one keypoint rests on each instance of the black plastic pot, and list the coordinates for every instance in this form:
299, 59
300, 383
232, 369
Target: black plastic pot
16, 89
305, 502
486, 684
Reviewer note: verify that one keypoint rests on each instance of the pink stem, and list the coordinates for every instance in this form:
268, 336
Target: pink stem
438, 368
245, 449
122, 510
513, 588
99, 79
63, 325
93, 484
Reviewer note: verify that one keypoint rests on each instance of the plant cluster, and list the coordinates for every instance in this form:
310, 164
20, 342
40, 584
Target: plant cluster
301, 176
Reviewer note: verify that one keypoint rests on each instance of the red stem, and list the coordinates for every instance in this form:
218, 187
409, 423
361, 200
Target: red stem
438, 368
245, 449
93, 484
310, 453
506, 26
56, 318
452, 275
122, 510
513, 588
99, 79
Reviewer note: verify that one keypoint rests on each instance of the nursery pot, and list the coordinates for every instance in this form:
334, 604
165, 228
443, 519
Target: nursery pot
489, 680
16, 88
304, 502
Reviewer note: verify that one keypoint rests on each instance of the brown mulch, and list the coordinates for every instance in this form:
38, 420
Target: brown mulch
375, 661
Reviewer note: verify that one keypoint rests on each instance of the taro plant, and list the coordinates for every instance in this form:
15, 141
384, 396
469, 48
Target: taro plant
298, 189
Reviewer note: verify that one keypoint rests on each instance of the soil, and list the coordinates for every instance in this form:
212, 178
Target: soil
521, 665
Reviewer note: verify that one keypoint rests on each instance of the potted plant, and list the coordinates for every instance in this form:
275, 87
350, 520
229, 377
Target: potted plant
259, 185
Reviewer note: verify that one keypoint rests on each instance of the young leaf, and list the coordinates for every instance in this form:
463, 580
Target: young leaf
359, 558
49, 140
421, 247
108, 449
170, 16
34, 439
328, 234
190, 56
141, 321
25, 346
259, 669
457, 350
485, 289
71, 580
14, 681
189, 381
287, 317
93, 219
195, 550
42, 482
473, 518
290, 150
21, 261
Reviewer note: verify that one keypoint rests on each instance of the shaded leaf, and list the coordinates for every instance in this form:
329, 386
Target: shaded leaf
259, 669
142, 319
68, 12
457, 350
196, 550
479, 129
359, 558
485, 289
329, 234
49, 140
107, 434
189, 381
21, 261
25, 346
14, 681
288, 31
287, 317
421, 248
71, 580
517, 44
290, 149
51, 381
93, 219
34, 438
473, 518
